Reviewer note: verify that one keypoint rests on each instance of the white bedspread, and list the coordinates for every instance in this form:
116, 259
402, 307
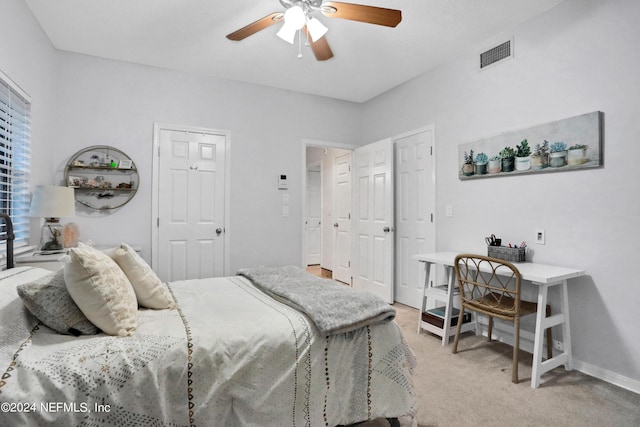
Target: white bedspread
230, 356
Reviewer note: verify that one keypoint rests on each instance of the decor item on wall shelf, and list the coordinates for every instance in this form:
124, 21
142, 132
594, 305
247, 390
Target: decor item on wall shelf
581, 134
103, 177
124, 164
52, 203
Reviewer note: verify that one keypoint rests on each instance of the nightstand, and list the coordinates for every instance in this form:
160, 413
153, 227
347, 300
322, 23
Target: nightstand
32, 259
50, 261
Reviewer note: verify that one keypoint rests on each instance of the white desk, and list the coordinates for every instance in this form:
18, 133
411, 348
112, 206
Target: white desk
544, 277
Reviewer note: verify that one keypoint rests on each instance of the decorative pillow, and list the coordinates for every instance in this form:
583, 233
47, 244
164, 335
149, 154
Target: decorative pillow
49, 301
149, 289
101, 290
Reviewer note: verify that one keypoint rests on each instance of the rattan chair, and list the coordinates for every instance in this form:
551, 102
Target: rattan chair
491, 286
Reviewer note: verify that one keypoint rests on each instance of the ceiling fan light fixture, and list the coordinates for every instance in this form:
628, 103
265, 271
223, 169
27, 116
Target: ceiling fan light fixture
316, 29
295, 17
287, 33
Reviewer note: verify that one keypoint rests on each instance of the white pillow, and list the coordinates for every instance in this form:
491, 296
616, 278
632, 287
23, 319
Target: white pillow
101, 290
149, 289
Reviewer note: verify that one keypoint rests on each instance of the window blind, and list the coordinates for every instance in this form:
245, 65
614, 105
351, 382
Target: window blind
15, 158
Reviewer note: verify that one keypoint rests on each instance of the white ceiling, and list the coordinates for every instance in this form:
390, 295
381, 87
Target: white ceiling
189, 35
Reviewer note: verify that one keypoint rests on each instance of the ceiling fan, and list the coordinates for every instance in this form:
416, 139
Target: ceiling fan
298, 16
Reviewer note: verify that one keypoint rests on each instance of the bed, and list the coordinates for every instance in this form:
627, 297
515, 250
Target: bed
227, 352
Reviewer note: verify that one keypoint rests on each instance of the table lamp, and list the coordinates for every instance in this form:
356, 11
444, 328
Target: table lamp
52, 203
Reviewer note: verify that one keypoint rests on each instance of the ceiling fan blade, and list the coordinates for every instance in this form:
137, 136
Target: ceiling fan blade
256, 26
320, 48
362, 13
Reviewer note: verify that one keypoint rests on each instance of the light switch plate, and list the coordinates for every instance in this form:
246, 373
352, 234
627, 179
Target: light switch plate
540, 237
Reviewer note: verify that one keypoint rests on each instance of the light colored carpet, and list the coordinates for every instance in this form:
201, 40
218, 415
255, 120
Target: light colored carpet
474, 388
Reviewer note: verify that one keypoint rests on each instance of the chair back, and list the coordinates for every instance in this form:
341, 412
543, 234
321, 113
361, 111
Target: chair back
488, 285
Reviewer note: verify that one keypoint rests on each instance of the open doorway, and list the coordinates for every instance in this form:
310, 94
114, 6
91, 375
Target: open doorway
314, 209
414, 199
327, 210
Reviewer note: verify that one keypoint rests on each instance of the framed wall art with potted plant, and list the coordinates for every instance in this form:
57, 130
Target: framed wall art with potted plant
569, 144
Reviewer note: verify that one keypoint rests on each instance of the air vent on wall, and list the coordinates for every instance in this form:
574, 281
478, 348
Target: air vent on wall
496, 54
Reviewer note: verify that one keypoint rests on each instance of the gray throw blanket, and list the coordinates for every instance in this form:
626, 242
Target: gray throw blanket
334, 308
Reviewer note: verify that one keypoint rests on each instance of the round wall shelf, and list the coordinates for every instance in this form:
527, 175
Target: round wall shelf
103, 177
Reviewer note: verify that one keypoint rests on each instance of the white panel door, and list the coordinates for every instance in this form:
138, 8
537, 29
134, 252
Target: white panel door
312, 223
373, 248
415, 204
191, 172
342, 217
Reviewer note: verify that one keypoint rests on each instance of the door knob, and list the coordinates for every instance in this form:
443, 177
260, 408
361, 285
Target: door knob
387, 229
218, 231
335, 225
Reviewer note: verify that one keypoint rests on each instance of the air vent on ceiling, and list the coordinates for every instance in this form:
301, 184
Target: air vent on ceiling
496, 54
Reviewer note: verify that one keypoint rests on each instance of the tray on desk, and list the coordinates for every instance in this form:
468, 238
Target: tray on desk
506, 253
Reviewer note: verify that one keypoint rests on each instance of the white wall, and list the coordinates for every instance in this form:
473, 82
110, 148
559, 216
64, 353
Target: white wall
580, 57
81, 100
116, 103
28, 58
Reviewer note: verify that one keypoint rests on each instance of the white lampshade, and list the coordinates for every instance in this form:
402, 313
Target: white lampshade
316, 29
50, 201
294, 19
287, 33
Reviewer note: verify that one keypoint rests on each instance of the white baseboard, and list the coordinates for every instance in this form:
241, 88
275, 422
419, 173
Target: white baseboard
503, 332
608, 376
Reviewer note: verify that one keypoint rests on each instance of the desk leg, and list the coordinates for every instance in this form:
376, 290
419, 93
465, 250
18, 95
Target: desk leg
542, 322
449, 307
566, 329
536, 371
423, 308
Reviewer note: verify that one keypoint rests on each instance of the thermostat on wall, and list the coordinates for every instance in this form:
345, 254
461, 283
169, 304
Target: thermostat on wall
282, 182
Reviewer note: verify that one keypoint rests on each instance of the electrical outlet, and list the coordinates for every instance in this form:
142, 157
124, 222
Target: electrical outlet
482, 320
558, 345
540, 237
